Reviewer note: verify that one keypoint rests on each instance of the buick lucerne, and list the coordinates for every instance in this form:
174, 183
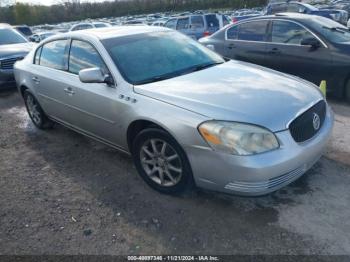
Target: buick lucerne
184, 114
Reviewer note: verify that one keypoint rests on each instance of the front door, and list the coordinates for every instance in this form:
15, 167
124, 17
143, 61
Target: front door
285, 53
96, 107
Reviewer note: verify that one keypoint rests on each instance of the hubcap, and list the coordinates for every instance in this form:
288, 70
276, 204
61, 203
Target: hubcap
161, 162
33, 110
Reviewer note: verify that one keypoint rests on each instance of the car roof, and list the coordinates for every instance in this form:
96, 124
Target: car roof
117, 31
292, 16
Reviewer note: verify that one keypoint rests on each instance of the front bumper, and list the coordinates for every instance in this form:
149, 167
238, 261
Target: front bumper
259, 174
7, 79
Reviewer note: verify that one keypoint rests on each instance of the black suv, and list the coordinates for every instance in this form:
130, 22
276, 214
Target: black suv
13, 47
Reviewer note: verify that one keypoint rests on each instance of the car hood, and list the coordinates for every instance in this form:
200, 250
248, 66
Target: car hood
15, 49
238, 91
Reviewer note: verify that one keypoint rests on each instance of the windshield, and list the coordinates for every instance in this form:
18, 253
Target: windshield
10, 36
100, 25
24, 30
333, 31
150, 57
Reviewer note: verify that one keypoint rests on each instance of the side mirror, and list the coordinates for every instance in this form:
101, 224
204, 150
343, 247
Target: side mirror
312, 42
94, 75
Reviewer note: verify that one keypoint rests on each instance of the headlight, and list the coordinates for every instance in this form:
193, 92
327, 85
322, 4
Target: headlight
237, 138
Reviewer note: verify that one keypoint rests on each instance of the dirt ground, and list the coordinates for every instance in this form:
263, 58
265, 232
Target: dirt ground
62, 193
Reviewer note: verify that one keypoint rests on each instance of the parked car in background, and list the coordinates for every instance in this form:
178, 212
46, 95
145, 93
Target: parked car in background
83, 26
226, 125
197, 26
24, 30
239, 16
340, 16
159, 23
38, 37
311, 47
13, 47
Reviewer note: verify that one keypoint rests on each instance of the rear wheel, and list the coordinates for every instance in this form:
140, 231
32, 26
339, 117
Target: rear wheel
161, 161
35, 112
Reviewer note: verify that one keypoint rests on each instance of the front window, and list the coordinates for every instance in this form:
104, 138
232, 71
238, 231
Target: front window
288, 33
331, 30
197, 22
151, 57
9, 36
82, 56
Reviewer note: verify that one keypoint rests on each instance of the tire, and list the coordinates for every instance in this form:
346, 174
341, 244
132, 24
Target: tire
347, 92
35, 112
165, 169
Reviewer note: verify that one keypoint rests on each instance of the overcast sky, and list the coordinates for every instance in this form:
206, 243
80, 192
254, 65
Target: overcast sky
50, 2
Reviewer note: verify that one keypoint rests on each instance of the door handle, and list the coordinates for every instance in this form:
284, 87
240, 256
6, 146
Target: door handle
274, 51
35, 79
231, 46
69, 91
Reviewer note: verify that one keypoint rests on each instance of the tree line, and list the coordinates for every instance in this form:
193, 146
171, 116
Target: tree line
74, 10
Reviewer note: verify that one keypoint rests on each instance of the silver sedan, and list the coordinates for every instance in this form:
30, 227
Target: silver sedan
185, 115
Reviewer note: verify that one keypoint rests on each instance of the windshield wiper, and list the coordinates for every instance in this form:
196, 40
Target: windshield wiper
155, 79
178, 73
204, 66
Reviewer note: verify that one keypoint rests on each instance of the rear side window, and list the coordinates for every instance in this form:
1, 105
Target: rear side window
82, 56
37, 56
212, 21
53, 55
288, 33
197, 21
252, 31
183, 23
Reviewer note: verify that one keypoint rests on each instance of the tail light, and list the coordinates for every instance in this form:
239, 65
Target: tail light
206, 33
234, 20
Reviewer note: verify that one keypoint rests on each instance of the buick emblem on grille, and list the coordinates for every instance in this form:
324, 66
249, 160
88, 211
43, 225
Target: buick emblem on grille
316, 122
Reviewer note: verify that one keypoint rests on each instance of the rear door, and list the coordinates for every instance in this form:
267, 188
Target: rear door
286, 54
49, 76
247, 42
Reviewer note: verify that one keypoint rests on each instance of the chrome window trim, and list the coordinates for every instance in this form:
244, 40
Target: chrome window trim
69, 43
275, 19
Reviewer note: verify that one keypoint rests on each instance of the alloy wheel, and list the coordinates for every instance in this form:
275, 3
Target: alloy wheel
33, 109
161, 162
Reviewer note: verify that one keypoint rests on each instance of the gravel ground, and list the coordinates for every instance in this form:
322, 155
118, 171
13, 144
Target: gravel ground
62, 193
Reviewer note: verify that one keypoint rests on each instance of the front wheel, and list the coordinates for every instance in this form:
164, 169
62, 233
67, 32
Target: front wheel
161, 161
35, 112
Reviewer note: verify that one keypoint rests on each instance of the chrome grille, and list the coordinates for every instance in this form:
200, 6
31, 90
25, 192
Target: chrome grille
302, 127
7, 64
